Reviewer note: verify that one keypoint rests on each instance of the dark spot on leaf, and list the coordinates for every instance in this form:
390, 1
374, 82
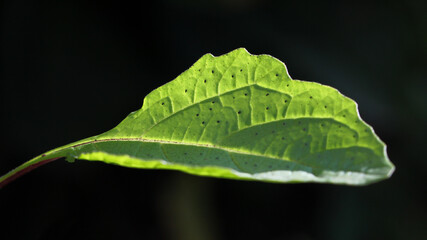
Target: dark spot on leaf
287, 85
267, 108
163, 103
197, 115
267, 94
218, 121
213, 71
203, 122
185, 90
232, 76
286, 101
246, 94
213, 102
277, 74
241, 69
326, 106
239, 112
210, 109
311, 97
204, 81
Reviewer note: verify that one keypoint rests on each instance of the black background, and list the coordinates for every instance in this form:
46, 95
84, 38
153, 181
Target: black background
73, 69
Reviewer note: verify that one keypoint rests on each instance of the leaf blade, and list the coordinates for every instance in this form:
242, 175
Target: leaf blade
261, 124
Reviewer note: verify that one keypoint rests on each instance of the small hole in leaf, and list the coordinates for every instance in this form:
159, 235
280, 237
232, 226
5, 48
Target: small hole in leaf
241, 69
203, 122
277, 74
246, 94
267, 108
204, 81
311, 97
210, 109
213, 102
185, 90
197, 115
218, 121
232, 76
213, 71
267, 94
163, 103
286, 101
239, 112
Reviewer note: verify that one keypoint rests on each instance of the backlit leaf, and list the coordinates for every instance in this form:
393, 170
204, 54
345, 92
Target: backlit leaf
240, 116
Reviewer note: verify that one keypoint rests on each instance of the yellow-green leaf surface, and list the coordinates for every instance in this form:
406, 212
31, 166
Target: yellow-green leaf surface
240, 116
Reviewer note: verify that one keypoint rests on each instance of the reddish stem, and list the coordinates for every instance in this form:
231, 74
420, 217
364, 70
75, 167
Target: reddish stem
25, 170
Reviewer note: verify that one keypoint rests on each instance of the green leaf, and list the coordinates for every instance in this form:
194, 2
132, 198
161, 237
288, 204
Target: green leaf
240, 116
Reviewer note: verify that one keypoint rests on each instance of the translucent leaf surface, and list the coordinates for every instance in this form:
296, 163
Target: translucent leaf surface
240, 116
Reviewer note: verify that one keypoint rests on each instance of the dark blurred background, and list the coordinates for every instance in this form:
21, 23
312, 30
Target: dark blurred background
73, 69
